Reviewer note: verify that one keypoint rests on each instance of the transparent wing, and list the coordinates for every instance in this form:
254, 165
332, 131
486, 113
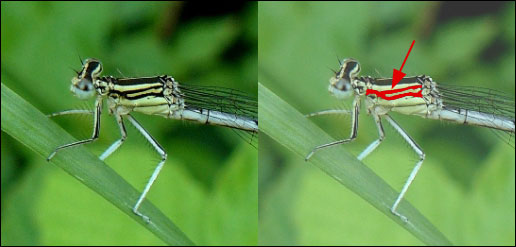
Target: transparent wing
226, 100
489, 101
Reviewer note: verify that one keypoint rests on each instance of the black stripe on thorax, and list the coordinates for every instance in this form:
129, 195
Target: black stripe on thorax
140, 96
139, 90
143, 96
138, 81
388, 81
135, 85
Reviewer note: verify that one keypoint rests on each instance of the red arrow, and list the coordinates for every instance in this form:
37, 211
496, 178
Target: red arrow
397, 75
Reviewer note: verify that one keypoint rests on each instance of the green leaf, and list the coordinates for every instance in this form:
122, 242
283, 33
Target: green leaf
290, 128
32, 128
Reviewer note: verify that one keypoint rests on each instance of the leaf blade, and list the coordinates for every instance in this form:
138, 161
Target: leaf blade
32, 128
290, 128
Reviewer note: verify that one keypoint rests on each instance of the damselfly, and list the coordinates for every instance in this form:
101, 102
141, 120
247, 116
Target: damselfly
158, 95
421, 96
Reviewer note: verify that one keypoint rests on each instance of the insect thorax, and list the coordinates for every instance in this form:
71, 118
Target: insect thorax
159, 95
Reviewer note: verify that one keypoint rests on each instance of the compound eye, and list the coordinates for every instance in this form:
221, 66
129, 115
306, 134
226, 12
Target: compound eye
85, 85
357, 70
347, 86
82, 88
339, 73
350, 68
92, 68
340, 84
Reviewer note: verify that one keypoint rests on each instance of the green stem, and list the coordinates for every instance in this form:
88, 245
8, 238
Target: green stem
290, 128
29, 126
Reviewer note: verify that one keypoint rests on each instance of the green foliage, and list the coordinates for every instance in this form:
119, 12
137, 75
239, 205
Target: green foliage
294, 131
32, 128
206, 165
298, 46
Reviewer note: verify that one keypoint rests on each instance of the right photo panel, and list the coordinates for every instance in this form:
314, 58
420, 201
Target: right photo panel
386, 123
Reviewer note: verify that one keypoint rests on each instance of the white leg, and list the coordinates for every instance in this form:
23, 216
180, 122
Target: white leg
157, 170
376, 143
328, 112
415, 170
96, 128
354, 129
69, 112
119, 142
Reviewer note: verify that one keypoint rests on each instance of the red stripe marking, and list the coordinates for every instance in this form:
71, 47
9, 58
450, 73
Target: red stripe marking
382, 94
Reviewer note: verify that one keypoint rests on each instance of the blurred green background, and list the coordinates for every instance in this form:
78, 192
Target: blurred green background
466, 185
208, 186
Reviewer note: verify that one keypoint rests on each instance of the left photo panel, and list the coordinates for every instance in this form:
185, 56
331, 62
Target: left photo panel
129, 123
